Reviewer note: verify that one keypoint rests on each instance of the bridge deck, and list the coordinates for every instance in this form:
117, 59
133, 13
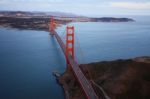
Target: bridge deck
85, 84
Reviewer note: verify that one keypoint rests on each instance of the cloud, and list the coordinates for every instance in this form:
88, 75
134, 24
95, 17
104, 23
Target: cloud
33, 2
131, 5
83, 7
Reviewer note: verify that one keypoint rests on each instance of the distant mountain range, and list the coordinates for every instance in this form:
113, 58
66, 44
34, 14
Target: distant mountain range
35, 14
60, 15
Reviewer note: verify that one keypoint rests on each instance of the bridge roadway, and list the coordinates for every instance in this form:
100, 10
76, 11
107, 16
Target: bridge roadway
85, 84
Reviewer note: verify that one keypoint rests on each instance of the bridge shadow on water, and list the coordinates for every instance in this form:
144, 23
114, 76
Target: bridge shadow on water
59, 56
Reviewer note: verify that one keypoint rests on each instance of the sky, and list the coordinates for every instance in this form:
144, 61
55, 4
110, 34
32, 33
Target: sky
80, 7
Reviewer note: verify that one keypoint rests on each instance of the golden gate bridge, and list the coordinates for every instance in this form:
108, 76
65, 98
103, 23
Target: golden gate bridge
68, 50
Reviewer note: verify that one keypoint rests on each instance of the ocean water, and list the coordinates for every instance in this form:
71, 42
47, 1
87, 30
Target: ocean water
28, 58
111, 41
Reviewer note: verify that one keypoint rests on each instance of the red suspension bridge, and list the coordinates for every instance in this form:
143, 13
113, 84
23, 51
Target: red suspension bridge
68, 50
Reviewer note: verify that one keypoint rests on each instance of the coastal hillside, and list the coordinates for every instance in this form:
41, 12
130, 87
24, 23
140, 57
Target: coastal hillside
120, 79
29, 23
40, 20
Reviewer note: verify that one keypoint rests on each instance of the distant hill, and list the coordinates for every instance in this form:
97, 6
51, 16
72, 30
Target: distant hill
61, 15
119, 79
40, 20
111, 19
35, 14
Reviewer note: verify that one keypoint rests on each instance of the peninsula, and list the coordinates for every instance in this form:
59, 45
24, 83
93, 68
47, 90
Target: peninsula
40, 20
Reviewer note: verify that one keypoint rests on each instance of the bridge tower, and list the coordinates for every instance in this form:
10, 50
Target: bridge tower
52, 25
69, 43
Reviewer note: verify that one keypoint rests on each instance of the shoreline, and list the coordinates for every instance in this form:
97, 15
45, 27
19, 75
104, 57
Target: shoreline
42, 24
39, 24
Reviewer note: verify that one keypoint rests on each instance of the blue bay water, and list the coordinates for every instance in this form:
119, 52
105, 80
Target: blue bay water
111, 41
28, 58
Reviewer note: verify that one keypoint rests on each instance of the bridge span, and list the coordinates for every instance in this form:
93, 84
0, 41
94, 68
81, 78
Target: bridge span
82, 80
